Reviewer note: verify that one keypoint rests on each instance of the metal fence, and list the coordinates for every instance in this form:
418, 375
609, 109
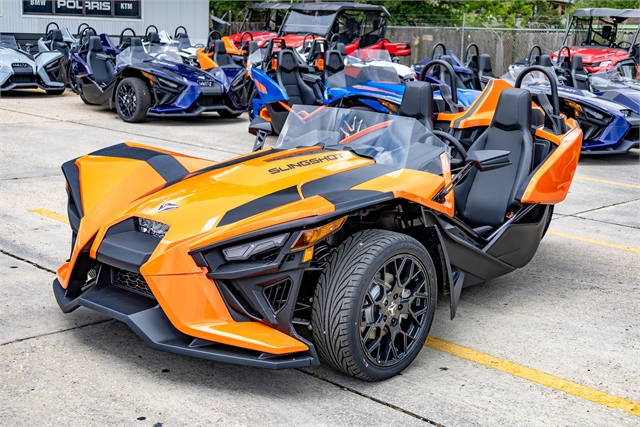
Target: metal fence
504, 45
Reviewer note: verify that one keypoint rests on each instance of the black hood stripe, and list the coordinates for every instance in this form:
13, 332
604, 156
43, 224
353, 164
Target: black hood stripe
261, 204
166, 165
345, 180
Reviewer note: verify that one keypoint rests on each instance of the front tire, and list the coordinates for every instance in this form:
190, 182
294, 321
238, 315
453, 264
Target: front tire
374, 304
133, 100
54, 91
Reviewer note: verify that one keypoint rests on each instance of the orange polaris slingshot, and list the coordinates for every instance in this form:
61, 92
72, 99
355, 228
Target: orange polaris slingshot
333, 245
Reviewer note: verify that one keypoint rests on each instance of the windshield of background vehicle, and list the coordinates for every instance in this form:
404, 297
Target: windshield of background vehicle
362, 73
317, 23
139, 54
400, 142
603, 31
620, 78
370, 55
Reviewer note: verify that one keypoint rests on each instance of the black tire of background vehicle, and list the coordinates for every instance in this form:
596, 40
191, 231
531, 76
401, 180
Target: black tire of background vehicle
133, 100
72, 82
548, 222
55, 91
228, 115
340, 295
85, 99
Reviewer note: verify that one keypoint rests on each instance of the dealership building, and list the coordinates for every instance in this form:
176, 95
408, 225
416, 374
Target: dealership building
27, 19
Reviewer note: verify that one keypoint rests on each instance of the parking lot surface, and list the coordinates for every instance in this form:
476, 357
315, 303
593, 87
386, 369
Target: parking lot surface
555, 343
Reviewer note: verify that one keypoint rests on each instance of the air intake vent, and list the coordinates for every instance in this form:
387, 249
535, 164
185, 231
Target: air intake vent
277, 295
131, 281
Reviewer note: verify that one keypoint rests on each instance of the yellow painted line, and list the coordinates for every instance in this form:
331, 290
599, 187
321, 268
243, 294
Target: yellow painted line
594, 241
604, 181
547, 380
50, 214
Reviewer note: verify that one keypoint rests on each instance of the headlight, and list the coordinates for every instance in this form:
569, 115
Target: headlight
247, 250
53, 64
153, 228
605, 63
593, 113
625, 113
168, 83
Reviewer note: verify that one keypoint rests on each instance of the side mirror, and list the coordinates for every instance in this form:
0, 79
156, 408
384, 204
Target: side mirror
487, 160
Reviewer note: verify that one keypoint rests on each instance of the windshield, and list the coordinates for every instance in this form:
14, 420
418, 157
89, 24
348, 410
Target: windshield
315, 23
255, 59
620, 78
371, 55
399, 142
362, 73
140, 54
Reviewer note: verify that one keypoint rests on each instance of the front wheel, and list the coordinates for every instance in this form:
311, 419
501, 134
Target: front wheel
133, 100
374, 304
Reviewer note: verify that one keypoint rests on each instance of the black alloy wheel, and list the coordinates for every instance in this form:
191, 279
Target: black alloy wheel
133, 100
394, 310
374, 304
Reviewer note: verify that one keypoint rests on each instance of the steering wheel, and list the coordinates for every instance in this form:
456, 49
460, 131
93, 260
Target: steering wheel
175, 33
433, 51
557, 123
530, 55
451, 140
449, 69
146, 31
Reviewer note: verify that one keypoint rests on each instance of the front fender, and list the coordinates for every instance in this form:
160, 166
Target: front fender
267, 88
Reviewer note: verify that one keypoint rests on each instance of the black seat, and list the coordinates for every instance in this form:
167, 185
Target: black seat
333, 63
341, 48
153, 38
484, 199
252, 47
101, 67
417, 102
221, 57
289, 77
183, 41
58, 44
545, 61
485, 71
578, 74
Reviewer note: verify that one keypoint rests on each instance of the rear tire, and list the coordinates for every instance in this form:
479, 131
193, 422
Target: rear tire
374, 304
133, 100
55, 91
228, 115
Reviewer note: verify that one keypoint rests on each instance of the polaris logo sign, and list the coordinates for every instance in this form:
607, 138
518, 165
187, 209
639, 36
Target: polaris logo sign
78, 4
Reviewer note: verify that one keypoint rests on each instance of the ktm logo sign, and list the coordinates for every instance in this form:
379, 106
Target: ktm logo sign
304, 163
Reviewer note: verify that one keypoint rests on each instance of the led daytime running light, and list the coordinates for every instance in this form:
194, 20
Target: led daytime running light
312, 236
